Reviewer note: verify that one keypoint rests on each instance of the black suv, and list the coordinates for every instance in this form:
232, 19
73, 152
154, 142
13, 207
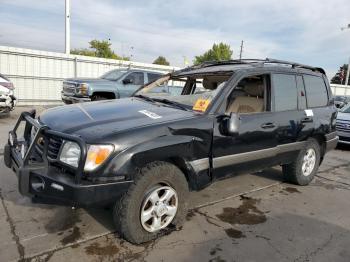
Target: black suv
143, 154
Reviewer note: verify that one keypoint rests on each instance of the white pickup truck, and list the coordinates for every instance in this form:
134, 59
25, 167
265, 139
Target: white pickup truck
7, 99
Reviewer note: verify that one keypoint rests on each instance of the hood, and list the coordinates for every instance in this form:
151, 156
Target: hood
89, 80
101, 119
343, 116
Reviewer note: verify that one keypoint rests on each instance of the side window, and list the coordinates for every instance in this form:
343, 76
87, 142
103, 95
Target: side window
250, 95
316, 91
137, 78
285, 92
301, 93
152, 76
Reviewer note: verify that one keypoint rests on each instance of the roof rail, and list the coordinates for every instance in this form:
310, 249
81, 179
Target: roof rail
254, 61
294, 65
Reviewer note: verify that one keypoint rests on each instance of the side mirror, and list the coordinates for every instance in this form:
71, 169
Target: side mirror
232, 124
127, 81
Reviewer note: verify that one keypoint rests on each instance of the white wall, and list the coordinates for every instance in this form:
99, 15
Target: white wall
37, 75
340, 90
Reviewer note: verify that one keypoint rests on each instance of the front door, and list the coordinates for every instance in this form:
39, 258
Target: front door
254, 145
130, 83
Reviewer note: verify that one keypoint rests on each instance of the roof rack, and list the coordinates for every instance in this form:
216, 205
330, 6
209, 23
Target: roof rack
255, 61
294, 65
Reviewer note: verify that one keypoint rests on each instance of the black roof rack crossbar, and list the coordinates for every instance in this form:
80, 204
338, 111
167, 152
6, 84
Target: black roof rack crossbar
294, 65
254, 61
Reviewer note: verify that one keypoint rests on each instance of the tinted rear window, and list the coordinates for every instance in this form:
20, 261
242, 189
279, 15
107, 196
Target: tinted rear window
152, 77
316, 91
285, 92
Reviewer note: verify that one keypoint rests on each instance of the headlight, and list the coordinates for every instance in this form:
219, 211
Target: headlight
70, 154
83, 89
96, 155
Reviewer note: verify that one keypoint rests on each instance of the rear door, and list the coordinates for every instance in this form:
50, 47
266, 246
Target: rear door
291, 115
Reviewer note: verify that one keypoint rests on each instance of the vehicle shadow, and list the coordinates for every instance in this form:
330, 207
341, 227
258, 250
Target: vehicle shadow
343, 147
274, 173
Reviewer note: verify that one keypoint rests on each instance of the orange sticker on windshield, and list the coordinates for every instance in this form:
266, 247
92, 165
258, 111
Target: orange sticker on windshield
201, 105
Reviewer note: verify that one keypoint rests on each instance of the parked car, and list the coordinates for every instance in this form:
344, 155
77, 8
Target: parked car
341, 101
117, 83
142, 155
343, 125
7, 99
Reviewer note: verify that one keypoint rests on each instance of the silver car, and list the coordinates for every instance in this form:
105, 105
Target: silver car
343, 125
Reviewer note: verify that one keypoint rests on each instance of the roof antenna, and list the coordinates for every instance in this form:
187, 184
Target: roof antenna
241, 51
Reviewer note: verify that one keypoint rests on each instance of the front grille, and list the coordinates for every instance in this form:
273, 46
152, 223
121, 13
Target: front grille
343, 125
69, 87
53, 147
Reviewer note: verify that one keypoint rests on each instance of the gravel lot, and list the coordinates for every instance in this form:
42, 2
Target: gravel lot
251, 217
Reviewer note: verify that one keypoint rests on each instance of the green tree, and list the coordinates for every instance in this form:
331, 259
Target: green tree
161, 60
218, 52
99, 48
339, 77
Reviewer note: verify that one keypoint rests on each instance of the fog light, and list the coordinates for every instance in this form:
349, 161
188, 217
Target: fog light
37, 183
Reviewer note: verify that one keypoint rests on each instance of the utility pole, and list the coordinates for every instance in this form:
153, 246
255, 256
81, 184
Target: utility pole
347, 71
67, 31
241, 51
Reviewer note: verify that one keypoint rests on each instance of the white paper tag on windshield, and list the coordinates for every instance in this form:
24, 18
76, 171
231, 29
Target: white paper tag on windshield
309, 112
150, 114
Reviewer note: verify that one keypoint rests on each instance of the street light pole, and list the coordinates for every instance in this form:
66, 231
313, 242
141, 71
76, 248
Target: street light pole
347, 71
67, 31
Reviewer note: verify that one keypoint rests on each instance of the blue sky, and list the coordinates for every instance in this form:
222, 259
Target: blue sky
306, 31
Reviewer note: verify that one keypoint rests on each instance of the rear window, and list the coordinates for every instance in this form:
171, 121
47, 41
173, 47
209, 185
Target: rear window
316, 91
285, 92
152, 77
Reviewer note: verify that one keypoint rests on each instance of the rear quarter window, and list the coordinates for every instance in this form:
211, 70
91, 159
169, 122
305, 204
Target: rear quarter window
152, 77
316, 91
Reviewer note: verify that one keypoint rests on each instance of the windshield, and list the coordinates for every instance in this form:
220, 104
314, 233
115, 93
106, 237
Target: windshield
192, 92
113, 75
346, 109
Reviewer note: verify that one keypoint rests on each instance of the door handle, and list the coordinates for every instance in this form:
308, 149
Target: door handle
268, 125
307, 119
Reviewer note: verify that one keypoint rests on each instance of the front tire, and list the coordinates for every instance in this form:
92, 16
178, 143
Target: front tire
155, 203
98, 98
303, 169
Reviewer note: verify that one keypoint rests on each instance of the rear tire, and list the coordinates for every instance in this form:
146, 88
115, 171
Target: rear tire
303, 169
152, 180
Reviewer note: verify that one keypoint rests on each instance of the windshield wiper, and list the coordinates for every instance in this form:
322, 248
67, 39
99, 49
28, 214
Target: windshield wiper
173, 103
147, 98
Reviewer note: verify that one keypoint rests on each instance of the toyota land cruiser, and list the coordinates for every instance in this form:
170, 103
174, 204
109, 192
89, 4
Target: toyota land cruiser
143, 154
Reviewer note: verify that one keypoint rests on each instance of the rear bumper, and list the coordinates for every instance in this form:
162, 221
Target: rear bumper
74, 99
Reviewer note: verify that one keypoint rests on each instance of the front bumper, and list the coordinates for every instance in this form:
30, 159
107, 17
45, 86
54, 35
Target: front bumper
74, 99
331, 141
344, 137
47, 181
8, 102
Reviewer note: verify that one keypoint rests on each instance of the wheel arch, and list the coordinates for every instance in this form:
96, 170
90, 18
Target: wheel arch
105, 94
176, 150
321, 139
